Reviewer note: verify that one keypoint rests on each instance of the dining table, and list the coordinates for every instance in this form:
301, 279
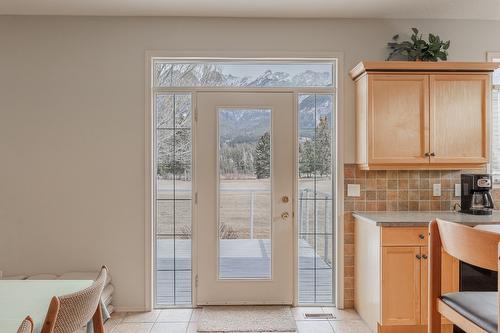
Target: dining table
20, 298
489, 227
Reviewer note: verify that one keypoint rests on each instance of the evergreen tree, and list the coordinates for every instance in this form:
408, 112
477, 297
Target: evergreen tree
306, 158
174, 154
315, 153
323, 147
262, 160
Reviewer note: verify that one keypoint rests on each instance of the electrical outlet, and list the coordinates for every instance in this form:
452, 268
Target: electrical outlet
458, 190
436, 190
353, 190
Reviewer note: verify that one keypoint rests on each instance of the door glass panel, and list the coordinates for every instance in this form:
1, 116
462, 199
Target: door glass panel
173, 198
315, 201
244, 193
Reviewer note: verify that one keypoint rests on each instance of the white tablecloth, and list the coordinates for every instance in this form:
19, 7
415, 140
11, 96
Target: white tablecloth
19, 299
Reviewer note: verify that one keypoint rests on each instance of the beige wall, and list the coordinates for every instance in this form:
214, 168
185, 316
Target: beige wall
72, 123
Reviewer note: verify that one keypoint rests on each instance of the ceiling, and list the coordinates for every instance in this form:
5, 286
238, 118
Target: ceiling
438, 9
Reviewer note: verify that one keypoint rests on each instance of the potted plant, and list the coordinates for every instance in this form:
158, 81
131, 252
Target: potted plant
418, 49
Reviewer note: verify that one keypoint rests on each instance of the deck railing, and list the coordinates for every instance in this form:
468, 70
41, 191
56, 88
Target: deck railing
308, 198
308, 201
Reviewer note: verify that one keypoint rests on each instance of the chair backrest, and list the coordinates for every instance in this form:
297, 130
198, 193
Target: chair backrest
26, 325
473, 246
70, 312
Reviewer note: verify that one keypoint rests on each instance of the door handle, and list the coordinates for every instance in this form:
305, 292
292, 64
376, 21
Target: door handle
284, 215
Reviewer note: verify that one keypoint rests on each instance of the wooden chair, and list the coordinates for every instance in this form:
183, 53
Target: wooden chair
70, 312
471, 311
26, 325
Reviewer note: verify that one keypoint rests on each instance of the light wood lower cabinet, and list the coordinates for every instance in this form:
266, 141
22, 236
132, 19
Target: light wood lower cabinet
424, 285
391, 277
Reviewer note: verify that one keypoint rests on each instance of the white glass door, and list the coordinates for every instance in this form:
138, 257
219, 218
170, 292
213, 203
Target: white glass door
245, 180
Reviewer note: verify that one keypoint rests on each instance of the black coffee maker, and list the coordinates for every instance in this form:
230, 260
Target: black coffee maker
476, 197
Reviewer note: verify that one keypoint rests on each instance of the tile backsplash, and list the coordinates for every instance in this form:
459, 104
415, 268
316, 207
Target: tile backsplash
395, 190
400, 190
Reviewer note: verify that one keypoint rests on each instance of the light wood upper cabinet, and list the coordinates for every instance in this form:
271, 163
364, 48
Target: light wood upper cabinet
421, 116
458, 118
398, 130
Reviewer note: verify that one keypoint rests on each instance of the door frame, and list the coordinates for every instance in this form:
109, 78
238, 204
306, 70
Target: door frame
150, 184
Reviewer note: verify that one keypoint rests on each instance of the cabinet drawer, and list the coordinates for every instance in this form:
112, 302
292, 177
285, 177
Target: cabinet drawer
403, 236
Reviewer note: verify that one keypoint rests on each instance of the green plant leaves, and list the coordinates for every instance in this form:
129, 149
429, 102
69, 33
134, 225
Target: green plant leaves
419, 49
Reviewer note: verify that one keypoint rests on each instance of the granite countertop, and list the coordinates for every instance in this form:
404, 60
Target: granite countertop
413, 219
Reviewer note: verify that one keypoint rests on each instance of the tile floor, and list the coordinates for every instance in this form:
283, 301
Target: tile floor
185, 321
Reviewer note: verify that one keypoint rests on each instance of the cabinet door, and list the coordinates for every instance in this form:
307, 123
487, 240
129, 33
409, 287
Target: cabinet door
398, 119
400, 285
449, 281
458, 118
424, 286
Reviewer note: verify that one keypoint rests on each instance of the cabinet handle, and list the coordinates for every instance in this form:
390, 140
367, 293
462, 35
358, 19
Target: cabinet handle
424, 256
421, 236
418, 257
427, 154
433, 154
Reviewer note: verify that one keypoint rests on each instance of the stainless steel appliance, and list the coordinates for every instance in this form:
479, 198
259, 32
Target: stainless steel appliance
476, 197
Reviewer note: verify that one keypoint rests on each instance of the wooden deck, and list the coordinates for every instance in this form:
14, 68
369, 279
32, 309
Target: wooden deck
239, 258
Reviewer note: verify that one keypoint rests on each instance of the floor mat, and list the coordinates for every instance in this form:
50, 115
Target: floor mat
246, 319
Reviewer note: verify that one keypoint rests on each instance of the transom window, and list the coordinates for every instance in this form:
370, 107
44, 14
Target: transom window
225, 74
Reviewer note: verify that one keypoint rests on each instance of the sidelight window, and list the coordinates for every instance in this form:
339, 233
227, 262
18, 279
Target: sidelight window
495, 121
315, 197
173, 198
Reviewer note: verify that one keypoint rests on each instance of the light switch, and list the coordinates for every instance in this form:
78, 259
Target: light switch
436, 190
353, 190
458, 190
